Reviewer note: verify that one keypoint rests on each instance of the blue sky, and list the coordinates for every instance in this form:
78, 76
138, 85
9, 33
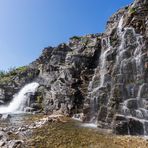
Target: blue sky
27, 26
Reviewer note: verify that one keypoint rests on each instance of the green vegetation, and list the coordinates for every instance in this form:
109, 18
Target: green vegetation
2, 73
7, 76
39, 99
22, 69
12, 71
75, 38
132, 10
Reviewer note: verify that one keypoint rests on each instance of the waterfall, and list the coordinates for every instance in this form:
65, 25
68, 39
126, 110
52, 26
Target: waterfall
132, 43
21, 99
102, 69
118, 85
120, 25
102, 66
136, 58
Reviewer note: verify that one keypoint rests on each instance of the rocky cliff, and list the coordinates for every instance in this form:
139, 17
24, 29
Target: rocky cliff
104, 76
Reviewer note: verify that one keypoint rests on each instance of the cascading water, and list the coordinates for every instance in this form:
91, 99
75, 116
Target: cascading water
102, 68
132, 108
20, 100
127, 66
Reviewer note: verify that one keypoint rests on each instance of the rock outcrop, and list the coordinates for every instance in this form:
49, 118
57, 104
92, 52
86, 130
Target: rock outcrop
104, 76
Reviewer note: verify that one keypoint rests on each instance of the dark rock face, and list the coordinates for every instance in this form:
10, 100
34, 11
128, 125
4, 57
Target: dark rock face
123, 125
65, 73
104, 76
120, 125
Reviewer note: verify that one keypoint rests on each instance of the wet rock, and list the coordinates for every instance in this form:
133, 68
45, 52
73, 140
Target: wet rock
5, 117
135, 127
132, 103
36, 106
1, 102
29, 109
120, 125
2, 95
102, 113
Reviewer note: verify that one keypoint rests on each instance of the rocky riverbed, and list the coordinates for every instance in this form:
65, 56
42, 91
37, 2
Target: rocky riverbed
57, 131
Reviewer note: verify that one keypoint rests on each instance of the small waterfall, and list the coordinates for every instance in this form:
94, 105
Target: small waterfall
21, 99
138, 53
120, 25
102, 66
139, 91
102, 69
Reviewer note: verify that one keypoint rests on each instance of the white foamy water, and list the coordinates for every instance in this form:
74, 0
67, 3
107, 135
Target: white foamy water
90, 125
103, 69
120, 25
20, 100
